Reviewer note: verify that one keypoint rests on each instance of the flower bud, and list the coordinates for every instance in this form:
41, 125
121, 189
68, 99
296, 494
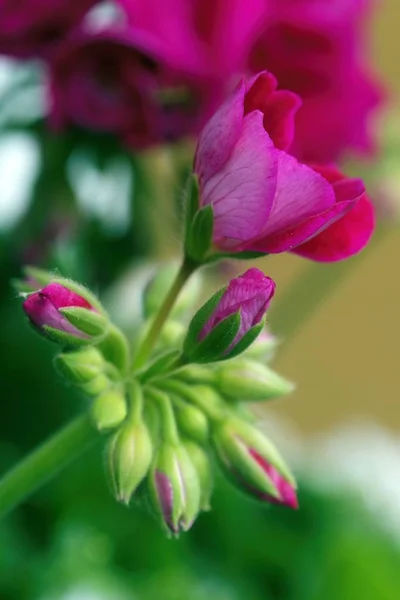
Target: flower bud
80, 366
64, 315
202, 463
191, 420
33, 280
246, 379
231, 320
128, 458
174, 490
253, 463
108, 410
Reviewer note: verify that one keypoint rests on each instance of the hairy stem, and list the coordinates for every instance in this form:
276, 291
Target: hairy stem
160, 318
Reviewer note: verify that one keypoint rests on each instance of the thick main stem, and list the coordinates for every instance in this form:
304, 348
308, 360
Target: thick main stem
45, 462
146, 347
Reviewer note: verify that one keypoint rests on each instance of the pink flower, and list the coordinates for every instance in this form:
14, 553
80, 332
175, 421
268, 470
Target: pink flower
30, 28
43, 309
264, 199
248, 295
316, 49
123, 82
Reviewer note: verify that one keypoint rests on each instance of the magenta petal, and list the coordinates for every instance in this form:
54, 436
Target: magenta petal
279, 113
250, 294
219, 136
343, 238
301, 194
242, 192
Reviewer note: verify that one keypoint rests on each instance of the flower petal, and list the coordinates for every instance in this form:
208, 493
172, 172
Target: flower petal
301, 195
242, 192
278, 107
343, 238
219, 136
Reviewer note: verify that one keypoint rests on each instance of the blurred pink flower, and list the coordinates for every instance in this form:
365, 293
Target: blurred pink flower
263, 199
316, 48
159, 75
32, 28
125, 83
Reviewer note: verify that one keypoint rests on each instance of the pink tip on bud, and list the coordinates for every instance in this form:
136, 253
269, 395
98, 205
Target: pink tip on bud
287, 493
43, 308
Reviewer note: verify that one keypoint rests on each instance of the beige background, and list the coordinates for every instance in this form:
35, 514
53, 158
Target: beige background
346, 359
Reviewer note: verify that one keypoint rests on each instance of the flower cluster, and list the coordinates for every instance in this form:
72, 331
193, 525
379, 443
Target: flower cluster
152, 72
162, 419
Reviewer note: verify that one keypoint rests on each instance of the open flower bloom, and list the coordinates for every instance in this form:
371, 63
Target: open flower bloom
32, 28
316, 48
43, 309
263, 198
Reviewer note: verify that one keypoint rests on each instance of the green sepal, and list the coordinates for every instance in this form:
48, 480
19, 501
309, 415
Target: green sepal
192, 203
202, 464
215, 344
199, 320
89, 322
246, 340
33, 280
68, 340
160, 365
246, 255
199, 238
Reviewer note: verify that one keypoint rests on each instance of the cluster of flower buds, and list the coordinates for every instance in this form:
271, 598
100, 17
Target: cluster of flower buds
168, 418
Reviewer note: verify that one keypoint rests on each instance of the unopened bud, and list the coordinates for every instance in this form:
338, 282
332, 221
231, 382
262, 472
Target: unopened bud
174, 491
108, 410
264, 347
128, 459
253, 463
191, 420
66, 313
80, 366
246, 379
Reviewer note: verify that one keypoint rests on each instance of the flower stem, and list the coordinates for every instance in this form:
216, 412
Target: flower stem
310, 289
45, 462
185, 271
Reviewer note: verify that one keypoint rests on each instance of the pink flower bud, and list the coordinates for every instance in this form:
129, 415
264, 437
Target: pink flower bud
253, 463
250, 295
263, 199
43, 309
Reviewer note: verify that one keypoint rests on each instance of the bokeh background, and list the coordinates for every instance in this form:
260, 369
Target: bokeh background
340, 429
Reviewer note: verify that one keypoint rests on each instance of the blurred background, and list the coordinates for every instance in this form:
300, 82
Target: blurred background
340, 430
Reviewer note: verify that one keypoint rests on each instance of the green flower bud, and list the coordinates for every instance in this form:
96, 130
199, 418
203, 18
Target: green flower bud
247, 379
172, 334
128, 458
202, 463
174, 489
253, 463
109, 409
191, 420
81, 366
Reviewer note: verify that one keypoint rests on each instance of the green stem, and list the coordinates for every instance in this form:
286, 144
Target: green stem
308, 292
45, 462
185, 271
